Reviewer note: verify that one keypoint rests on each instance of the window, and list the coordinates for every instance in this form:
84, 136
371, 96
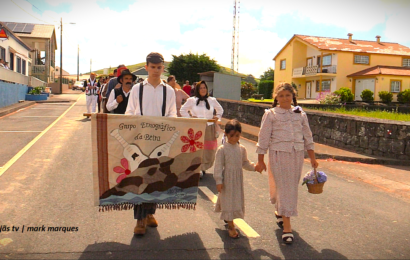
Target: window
283, 64
317, 86
395, 86
2, 53
325, 84
11, 64
406, 62
362, 59
23, 67
18, 65
327, 60
318, 61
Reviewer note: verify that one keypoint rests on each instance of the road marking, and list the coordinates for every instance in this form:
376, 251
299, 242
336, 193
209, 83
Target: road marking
34, 116
240, 223
29, 145
20, 131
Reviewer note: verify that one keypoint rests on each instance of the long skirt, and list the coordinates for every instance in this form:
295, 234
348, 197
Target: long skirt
285, 170
210, 146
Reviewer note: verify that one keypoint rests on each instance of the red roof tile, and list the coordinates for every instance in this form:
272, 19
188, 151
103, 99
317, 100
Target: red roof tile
337, 44
383, 70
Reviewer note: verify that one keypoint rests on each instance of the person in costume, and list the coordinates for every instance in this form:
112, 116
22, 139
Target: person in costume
152, 97
91, 93
203, 106
285, 133
118, 99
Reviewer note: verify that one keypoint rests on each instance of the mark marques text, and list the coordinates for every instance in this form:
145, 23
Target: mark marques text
42, 228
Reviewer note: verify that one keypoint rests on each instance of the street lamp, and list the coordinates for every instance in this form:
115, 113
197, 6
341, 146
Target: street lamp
61, 55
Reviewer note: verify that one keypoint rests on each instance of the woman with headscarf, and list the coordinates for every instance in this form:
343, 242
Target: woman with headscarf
180, 95
202, 106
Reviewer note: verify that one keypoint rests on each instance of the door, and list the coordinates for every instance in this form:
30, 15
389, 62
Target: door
309, 62
362, 84
308, 89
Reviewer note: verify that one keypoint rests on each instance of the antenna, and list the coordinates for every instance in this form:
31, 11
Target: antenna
235, 36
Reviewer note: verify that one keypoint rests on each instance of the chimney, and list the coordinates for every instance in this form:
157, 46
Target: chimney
350, 37
378, 38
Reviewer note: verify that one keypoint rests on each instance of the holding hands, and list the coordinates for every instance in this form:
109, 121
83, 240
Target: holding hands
260, 166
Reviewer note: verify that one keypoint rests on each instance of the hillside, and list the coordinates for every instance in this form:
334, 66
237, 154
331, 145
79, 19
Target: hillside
134, 67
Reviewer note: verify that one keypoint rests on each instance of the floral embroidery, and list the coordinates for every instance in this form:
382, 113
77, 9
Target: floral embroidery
124, 170
191, 141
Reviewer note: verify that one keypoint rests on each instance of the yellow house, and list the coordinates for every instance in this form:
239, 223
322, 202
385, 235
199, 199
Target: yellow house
320, 64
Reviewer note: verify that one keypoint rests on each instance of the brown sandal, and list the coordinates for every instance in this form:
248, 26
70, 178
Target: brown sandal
232, 232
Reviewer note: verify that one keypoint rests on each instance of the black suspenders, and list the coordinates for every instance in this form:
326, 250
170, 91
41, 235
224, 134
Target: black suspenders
164, 98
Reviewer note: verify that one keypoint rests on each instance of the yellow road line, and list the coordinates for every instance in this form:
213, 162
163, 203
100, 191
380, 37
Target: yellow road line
29, 145
240, 223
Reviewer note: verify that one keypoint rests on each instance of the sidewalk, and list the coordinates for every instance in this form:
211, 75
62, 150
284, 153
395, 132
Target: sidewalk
327, 152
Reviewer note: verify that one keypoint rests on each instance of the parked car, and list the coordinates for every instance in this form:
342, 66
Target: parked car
79, 85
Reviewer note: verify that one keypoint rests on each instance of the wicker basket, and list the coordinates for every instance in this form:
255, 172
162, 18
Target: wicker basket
317, 187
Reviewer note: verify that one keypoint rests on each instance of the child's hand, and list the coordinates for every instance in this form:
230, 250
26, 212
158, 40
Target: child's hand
219, 187
260, 166
314, 163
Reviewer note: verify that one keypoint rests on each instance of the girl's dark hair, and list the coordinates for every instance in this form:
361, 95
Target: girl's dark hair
233, 125
170, 78
201, 98
281, 87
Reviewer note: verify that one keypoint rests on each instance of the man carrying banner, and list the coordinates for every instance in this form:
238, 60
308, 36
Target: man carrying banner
152, 97
118, 99
91, 92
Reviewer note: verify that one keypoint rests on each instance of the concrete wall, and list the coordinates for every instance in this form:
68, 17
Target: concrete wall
227, 86
386, 138
11, 93
55, 88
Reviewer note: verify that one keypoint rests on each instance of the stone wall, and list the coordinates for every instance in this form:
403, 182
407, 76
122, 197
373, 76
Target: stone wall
370, 136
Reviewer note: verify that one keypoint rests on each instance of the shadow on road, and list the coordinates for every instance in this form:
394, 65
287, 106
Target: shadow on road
240, 248
150, 246
301, 249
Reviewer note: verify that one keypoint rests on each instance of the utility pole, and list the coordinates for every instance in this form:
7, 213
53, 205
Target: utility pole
91, 62
78, 63
61, 56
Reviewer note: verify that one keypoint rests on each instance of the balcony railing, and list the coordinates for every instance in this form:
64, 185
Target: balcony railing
38, 69
313, 70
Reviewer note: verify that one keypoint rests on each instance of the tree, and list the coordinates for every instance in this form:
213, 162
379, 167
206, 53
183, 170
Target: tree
187, 67
250, 79
268, 75
247, 89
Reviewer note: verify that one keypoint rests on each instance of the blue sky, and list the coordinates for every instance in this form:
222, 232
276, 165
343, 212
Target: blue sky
114, 32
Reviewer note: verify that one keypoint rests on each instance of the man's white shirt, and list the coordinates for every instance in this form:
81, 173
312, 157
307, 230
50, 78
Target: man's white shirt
152, 100
112, 101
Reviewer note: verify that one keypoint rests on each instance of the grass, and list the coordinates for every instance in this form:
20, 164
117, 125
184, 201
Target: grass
259, 101
390, 115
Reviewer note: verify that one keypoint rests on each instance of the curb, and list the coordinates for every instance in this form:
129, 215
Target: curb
369, 160
13, 108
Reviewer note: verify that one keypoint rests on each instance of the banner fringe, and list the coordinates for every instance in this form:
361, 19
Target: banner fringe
130, 206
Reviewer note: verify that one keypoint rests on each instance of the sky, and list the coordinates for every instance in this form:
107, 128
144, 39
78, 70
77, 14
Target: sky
124, 32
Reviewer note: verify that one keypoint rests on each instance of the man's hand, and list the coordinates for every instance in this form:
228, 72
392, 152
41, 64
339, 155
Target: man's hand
119, 99
219, 187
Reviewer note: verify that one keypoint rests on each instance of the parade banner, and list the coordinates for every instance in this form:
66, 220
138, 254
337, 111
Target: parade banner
141, 159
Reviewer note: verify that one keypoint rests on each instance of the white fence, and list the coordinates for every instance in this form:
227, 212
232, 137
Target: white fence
15, 77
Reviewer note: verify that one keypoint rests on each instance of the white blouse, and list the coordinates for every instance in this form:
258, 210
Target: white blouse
200, 110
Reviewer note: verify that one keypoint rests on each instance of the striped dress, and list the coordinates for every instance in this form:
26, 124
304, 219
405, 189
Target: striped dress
285, 134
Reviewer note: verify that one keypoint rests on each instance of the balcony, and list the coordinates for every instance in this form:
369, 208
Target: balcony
39, 71
313, 71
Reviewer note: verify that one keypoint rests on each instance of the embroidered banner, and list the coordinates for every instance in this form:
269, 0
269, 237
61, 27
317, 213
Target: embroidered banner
141, 159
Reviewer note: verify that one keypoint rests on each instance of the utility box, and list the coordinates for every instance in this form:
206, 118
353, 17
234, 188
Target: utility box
222, 85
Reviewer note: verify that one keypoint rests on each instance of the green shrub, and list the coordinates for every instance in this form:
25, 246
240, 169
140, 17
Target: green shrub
385, 96
404, 96
367, 95
328, 98
36, 91
247, 89
266, 88
345, 94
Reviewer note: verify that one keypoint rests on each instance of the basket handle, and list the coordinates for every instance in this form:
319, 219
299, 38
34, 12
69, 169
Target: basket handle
316, 177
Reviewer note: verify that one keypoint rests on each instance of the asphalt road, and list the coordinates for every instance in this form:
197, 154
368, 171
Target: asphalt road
51, 185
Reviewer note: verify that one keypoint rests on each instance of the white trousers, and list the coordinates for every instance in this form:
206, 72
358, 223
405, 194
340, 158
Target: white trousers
91, 103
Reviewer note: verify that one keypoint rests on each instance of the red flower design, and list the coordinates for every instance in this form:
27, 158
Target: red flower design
124, 169
191, 141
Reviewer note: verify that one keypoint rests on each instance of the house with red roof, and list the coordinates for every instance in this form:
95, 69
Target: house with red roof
320, 64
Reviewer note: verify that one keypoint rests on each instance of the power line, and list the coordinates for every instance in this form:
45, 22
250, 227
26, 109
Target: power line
41, 10
28, 12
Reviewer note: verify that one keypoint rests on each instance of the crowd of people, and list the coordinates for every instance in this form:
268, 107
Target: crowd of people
284, 133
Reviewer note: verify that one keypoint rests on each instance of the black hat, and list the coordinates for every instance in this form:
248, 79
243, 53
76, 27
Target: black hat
126, 72
155, 57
